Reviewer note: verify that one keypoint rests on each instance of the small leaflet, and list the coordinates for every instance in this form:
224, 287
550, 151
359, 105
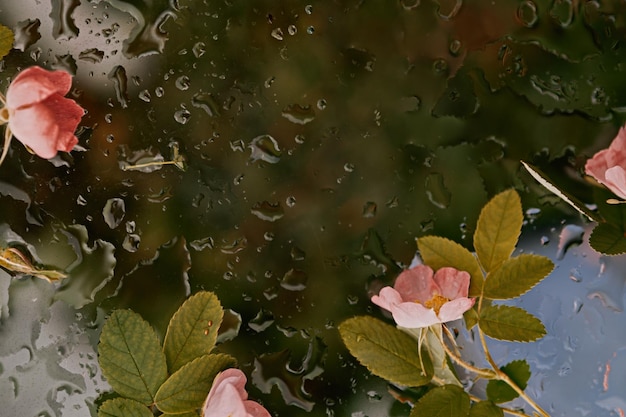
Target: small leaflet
6, 41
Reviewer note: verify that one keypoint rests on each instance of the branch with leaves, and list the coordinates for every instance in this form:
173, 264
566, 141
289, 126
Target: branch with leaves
427, 297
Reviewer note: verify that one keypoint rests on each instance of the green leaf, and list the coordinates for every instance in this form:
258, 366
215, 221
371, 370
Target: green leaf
188, 387
192, 331
485, 409
516, 276
445, 401
131, 357
386, 351
123, 407
470, 317
608, 239
6, 41
438, 252
498, 228
500, 391
510, 323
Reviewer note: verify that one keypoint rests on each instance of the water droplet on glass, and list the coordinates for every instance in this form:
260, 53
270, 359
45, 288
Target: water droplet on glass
440, 66
292, 30
199, 48
234, 247
310, 30
299, 139
308, 9
294, 280
321, 104
436, 190
182, 83
131, 242
201, 244
454, 47
26, 34
410, 4
575, 275
297, 114
182, 116
159, 91
369, 209
297, 254
570, 235
262, 320
290, 201
264, 148
114, 211
92, 55
598, 96
145, 96
527, 13
206, 102
562, 12
118, 76
268, 211
277, 34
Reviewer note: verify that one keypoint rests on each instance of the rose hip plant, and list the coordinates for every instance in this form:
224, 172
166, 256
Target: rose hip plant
182, 376
420, 355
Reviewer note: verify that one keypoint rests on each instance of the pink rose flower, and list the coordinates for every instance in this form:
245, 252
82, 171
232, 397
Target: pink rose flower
420, 298
38, 114
228, 397
608, 166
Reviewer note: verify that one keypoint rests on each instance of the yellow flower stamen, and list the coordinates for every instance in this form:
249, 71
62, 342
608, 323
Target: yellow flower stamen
436, 302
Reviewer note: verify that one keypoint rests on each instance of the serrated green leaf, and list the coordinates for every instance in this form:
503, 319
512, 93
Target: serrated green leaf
386, 351
485, 409
192, 331
516, 276
510, 323
608, 239
438, 252
6, 41
498, 228
500, 391
188, 387
130, 356
445, 401
123, 407
470, 317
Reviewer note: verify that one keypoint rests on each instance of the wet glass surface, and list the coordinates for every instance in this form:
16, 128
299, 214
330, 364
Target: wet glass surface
311, 143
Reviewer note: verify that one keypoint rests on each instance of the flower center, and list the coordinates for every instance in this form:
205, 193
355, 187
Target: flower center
436, 302
4, 115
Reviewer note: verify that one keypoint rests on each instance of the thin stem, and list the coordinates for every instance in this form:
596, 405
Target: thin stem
451, 338
485, 373
504, 377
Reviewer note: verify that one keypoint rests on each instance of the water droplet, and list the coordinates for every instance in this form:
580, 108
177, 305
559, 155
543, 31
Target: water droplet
118, 76
182, 83
290, 201
199, 48
292, 30
527, 13
454, 47
145, 96
277, 34
206, 102
92, 55
114, 211
598, 96
321, 104
264, 148
26, 34
575, 275
182, 116
268, 211
262, 320
562, 12
234, 247
63, 26
201, 244
570, 235
297, 254
410, 4
436, 190
294, 280
159, 91
440, 67
297, 114
299, 139
369, 209
310, 30
308, 9
131, 242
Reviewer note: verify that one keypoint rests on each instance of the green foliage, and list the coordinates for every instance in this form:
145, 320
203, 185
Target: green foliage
608, 239
498, 228
130, 356
123, 407
510, 323
177, 377
386, 351
485, 409
516, 276
188, 387
501, 392
6, 41
445, 401
438, 252
192, 331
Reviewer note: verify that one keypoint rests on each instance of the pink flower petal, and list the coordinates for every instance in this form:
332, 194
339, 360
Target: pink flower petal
414, 316
453, 310
616, 181
452, 282
36, 84
228, 397
387, 298
417, 284
255, 409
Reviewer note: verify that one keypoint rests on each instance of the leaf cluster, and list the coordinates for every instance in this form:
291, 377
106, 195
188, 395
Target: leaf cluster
174, 378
